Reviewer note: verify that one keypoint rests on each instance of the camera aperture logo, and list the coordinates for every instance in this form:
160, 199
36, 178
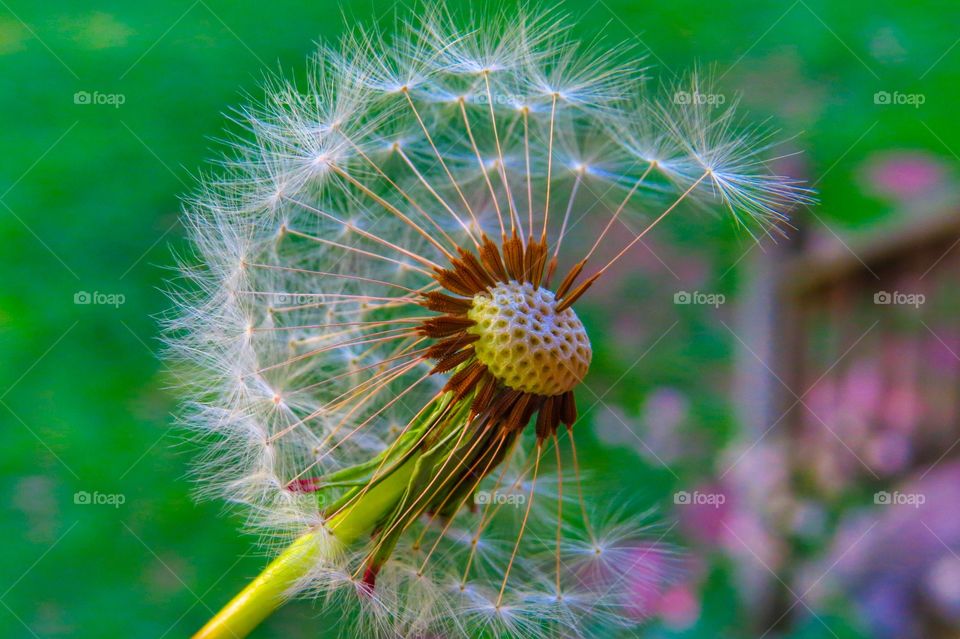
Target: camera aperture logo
85, 298
697, 498
83, 98
899, 99
484, 497
896, 498
896, 298
698, 298
96, 498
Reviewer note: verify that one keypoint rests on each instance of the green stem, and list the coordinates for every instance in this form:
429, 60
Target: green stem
270, 588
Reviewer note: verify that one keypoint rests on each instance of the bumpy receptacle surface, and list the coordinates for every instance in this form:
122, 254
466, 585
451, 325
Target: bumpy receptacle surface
525, 343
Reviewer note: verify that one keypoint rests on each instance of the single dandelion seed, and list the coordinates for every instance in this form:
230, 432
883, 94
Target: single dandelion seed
383, 345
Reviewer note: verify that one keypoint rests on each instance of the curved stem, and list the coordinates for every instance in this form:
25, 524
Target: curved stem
270, 589
264, 594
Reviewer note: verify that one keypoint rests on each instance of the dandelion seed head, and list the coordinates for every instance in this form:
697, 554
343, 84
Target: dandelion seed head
387, 266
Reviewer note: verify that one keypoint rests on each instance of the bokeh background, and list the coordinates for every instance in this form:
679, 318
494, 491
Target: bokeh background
799, 439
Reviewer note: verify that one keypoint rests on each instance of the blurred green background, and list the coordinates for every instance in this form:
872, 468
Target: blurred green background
89, 203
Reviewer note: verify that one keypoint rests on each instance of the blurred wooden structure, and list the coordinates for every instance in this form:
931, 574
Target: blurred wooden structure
870, 338
858, 342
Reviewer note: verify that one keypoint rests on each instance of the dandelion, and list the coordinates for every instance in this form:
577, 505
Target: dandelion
382, 338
